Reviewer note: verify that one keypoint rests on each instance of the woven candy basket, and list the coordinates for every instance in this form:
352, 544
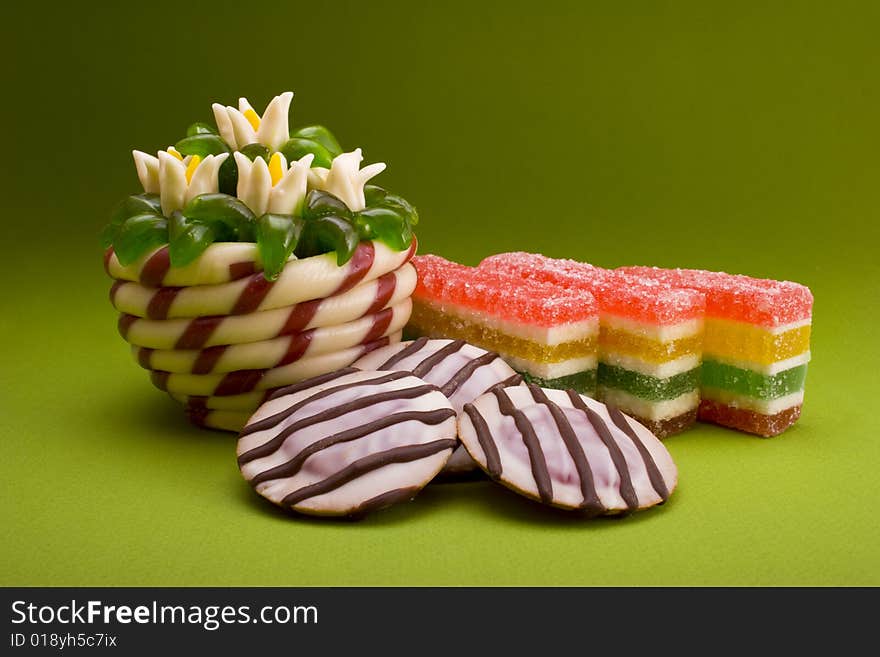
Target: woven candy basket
231, 284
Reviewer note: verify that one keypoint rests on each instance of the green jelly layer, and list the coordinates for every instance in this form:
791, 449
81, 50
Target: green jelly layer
581, 382
751, 383
649, 387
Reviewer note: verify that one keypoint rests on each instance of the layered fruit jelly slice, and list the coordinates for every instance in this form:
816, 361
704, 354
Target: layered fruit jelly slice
755, 350
650, 336
548, 334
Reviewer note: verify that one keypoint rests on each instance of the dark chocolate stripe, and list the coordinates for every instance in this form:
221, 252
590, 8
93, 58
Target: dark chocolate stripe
241, 270
367, 464
385, 500
360, 263
654, 474
412, 250
438, 356
196, 402
367, 347
299, 343
207, 359
114, 290
509, 382
484, 437
627, 492
381, 322
252, 295
385, 286
406, 352
197, 332
291, 467
197, 414
277, 418
238, 382
532, 443
108, 253
592, 504
160, 379
154, 269
466, 372
308, 383
144, 354
124, 324
160, 302
300, 316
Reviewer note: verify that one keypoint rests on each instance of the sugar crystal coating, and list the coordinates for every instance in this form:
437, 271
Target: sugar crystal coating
616, 293
533, 302
732, 296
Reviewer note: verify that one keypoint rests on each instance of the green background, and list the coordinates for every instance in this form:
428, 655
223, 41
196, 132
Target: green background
737, 136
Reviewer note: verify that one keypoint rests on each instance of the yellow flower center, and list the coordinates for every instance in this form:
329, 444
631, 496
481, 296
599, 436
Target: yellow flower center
191, 167
252, 117
276, 169
175, 153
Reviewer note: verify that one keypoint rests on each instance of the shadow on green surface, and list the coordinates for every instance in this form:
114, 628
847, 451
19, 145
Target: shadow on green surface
162, 421
154, 414
404, 512
483, 498
491, 499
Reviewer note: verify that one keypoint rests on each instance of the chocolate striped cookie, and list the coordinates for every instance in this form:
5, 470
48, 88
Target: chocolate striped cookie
348, 442
462, 371
567, 450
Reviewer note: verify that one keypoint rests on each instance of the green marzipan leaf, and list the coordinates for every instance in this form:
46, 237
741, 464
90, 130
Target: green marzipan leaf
227, 177
373, 195
328, 233
297, 147
202, 145
277, 237
187, 239
230, 219
321, 135
255, 150
385, 225
319, 203
128, 207
402, 206
138, 235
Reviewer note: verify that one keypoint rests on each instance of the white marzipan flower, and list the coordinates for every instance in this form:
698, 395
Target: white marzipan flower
345, 179
273, 186
243, 126
176, 179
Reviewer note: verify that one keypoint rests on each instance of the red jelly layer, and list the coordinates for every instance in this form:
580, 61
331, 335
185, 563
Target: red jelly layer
740, 298
643, 300
500, 295
748, 421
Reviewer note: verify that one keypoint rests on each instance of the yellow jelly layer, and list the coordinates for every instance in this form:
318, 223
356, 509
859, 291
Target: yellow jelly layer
654, 351
427, 322
725, 340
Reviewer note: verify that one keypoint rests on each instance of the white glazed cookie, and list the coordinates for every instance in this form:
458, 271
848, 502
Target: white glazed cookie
348, 442
462, 371
567, 450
